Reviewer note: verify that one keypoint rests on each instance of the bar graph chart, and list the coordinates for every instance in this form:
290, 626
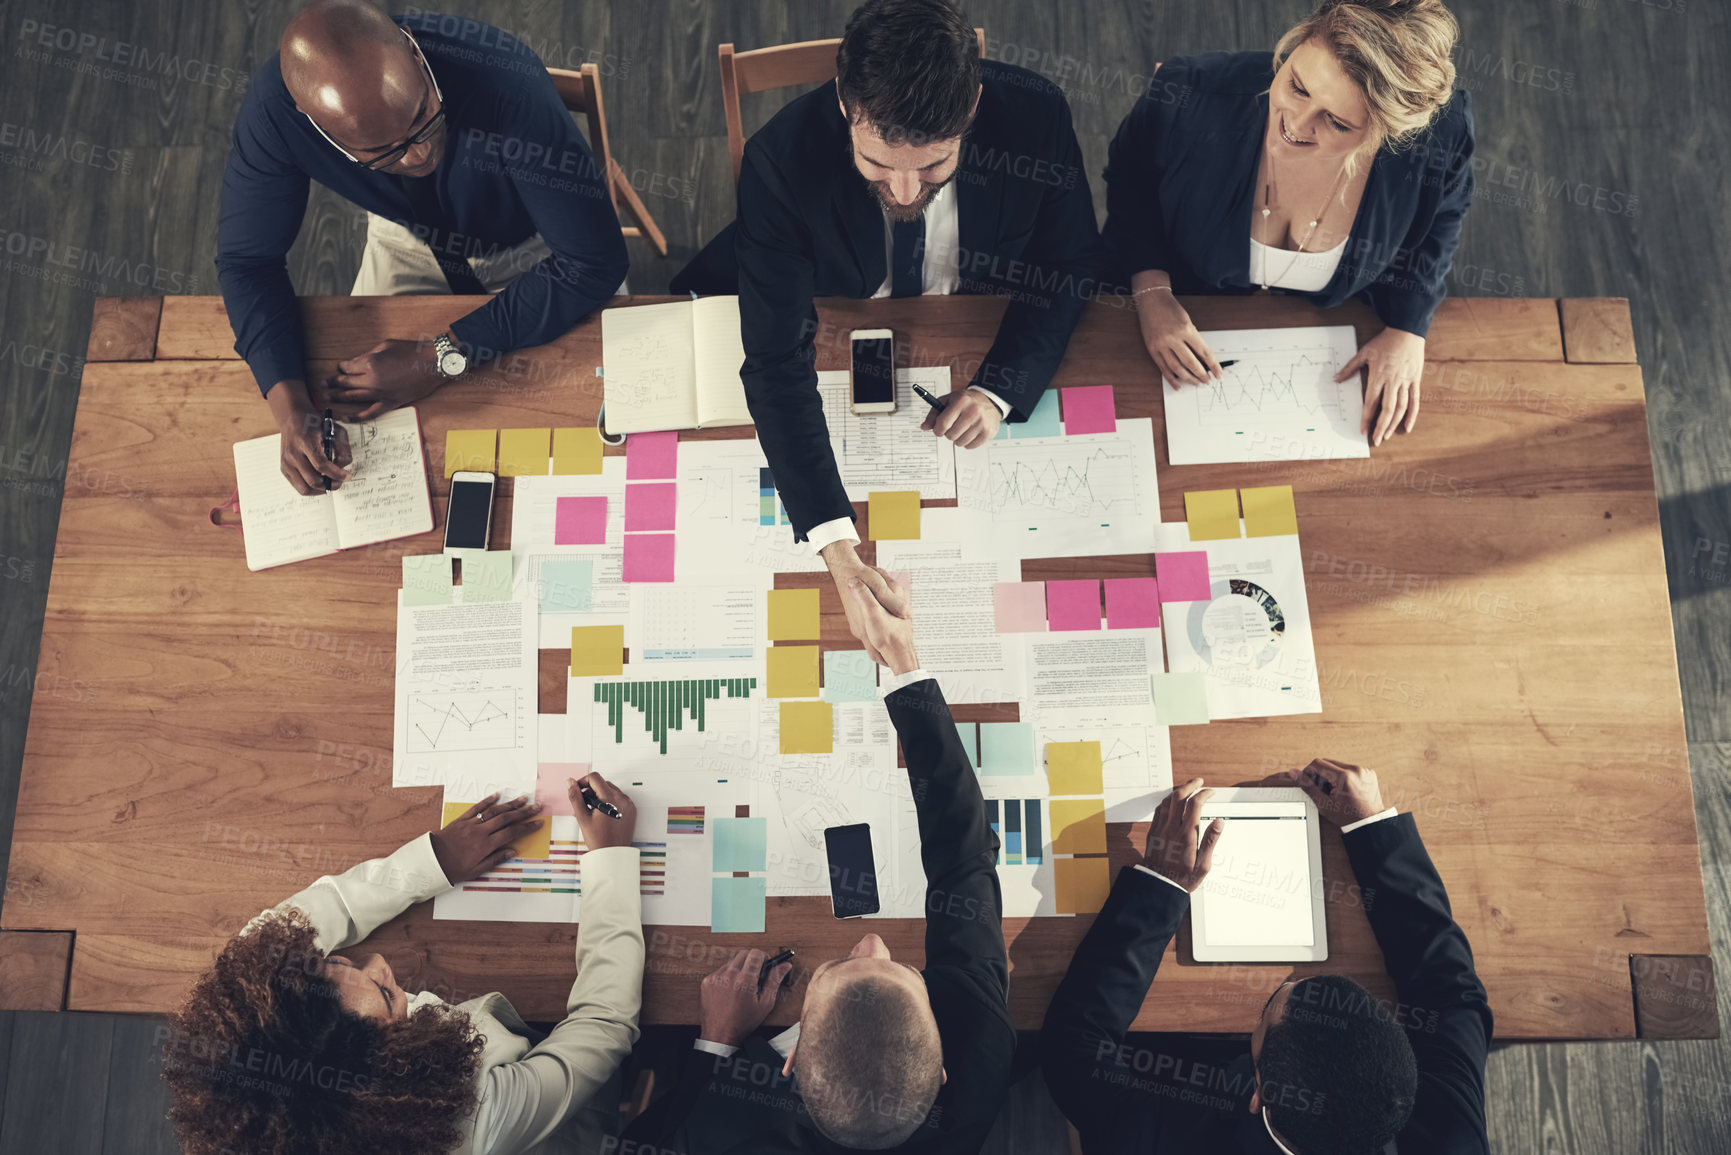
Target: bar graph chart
666, 706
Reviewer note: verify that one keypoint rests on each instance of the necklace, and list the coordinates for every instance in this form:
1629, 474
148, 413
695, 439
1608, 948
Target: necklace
1267, 189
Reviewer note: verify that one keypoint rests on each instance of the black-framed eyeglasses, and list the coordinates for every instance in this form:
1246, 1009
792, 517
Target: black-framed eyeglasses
421, 135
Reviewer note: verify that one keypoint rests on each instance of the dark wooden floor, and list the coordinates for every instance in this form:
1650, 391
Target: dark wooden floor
1603, 132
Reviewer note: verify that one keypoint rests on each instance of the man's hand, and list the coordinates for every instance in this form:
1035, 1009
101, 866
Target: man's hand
303, 453
1344, 793
884, 632
969, 418
390, 375
480, 837
1174, 847
734, 1002
845, 566
598, 829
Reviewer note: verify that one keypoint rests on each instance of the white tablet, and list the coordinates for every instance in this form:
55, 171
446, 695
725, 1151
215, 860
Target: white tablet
1263, 898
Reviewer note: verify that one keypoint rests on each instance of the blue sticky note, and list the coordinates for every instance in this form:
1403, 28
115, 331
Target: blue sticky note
1042, 422
566, 585
1007, 748
849, 676
965, 731
736, 904
741, 844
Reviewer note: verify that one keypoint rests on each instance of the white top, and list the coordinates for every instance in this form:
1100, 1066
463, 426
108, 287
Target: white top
1309, 272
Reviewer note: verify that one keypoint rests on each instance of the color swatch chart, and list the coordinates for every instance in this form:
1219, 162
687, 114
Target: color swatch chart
1016, 822
664, 705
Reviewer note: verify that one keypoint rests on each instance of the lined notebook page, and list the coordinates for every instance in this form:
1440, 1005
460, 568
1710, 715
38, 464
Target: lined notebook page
279, 525
387, 497
719, 354
650, 371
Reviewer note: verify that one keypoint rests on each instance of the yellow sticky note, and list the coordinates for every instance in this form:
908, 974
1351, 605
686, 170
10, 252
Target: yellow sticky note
807, 728
1212, 514
577, 450
893, 516
597, 651
792, 671
527, 843
1082, 884
523, 452
470, 449
1079, 826
793, 616
1268, 511
1074, 768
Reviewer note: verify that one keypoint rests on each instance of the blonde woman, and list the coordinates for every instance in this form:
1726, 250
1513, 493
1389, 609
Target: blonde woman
1337, 167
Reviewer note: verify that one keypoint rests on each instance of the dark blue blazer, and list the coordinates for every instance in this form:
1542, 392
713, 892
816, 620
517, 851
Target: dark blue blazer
1179, 193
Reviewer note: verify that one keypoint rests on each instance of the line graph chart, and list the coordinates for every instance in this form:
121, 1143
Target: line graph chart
468, 720
1278, 402
1032, 483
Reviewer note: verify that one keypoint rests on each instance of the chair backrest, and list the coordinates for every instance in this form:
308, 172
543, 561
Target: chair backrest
782, 66
580, 91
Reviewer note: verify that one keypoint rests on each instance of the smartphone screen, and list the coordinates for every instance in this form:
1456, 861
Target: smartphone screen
466, 519
853, 877
874, 376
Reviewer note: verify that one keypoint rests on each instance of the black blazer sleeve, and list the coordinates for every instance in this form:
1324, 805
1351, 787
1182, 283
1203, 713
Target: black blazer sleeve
1443, 1004
1063, 262
1406, 294
966, 971
1096, 1002
778, 323
1135, 232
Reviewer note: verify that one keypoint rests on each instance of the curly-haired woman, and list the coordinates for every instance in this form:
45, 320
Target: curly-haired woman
1338, 166
284, 1047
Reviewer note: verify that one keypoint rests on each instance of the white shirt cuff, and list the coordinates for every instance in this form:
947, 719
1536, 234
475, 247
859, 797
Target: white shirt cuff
893, 682
1160, 876
830, 532
783, 1043
1351, 826
721, 1049
1003, 406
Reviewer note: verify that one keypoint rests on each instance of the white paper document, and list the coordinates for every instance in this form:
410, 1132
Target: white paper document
730, 519
1252, 638
890, 450
1093, 494
1279, 402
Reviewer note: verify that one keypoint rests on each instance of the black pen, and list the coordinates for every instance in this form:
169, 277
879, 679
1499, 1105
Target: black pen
1228, 364
328, 435
594, 803
934, 402
770, 964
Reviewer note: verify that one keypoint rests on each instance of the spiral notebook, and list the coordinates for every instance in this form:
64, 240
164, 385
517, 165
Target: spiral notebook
387, 497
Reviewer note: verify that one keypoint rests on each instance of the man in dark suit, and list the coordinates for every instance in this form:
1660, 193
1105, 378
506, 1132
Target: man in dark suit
885, 1057
924, 170
1331, 1068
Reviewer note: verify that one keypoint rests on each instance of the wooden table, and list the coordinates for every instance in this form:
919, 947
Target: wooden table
1491, 625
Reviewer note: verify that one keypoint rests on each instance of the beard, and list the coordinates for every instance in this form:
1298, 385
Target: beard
880, 190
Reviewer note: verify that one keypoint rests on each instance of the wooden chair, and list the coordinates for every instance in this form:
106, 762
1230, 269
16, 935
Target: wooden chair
761, 69
581, 92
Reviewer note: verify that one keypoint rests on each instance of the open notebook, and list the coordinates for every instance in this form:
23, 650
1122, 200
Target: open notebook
673, 366
387, 497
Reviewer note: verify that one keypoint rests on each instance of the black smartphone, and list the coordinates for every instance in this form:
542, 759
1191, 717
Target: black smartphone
853, 874
469, 519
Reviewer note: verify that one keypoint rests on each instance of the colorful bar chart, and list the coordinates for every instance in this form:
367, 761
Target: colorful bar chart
664, 705
1020, 831
685, 820
769, 508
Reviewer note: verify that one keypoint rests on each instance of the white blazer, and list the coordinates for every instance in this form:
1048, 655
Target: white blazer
527, 1089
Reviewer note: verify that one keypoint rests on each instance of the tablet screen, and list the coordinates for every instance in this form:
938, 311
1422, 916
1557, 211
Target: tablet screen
1259, 887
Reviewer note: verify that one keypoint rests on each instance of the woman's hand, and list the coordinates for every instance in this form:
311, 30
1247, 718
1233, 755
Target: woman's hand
480, 838
1396, 361
601, 830
1178, 350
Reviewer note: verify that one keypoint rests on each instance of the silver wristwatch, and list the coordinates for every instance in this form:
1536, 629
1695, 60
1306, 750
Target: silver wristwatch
448, 359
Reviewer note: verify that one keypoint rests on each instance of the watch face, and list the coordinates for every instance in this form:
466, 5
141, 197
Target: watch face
452, 364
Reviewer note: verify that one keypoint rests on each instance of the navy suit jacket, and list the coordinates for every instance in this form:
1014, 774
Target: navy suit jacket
1179, 193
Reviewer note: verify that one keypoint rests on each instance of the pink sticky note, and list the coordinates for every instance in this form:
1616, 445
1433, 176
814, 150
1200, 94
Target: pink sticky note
1132, 604
1073, 605
650, 506
550, 789
1019, 607
580, 521
1183, 576
648, 557
1089, 409
651, 455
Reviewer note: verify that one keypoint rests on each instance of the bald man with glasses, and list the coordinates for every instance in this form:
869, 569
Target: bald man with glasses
475, 180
